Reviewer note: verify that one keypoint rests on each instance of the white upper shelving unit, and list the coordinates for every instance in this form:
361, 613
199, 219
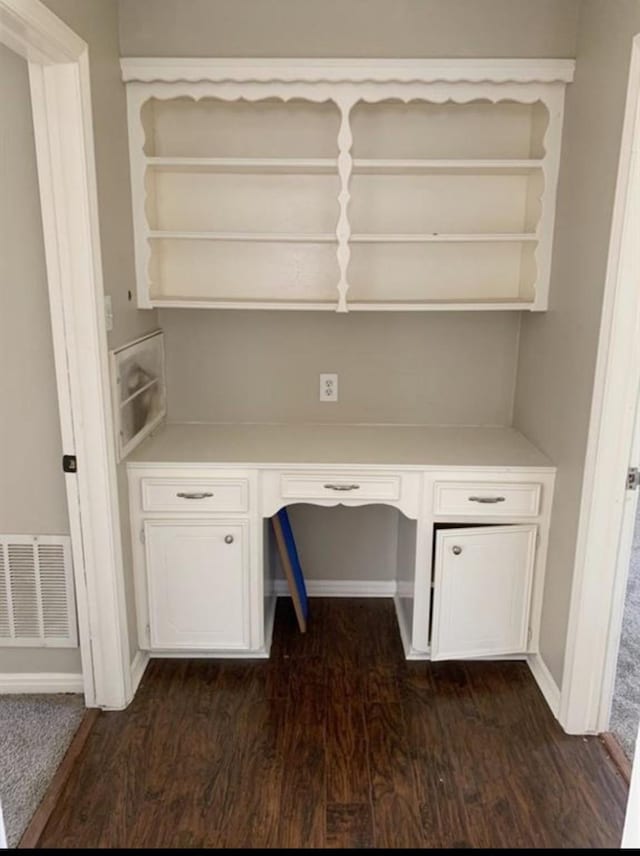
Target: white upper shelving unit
344, 184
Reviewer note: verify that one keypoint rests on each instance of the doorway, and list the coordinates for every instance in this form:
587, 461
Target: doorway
62, 118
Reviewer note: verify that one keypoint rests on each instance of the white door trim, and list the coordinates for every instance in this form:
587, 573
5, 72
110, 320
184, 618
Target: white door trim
61, 104
596, 605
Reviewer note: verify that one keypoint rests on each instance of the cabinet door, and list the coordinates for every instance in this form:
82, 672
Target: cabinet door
197, 578
482, 589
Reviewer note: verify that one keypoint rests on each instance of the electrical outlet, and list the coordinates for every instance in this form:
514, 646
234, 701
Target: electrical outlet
328, 387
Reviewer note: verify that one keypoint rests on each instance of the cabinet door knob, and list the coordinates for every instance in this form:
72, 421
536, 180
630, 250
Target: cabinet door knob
228, 539
456, 550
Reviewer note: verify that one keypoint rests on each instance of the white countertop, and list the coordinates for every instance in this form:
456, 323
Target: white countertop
386, 446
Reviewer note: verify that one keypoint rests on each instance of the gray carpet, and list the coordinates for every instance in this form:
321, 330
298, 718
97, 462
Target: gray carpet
35, 732
625, 713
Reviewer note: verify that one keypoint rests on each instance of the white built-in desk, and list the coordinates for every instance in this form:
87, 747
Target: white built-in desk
201, 496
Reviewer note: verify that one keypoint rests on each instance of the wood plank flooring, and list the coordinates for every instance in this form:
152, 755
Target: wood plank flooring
337, 741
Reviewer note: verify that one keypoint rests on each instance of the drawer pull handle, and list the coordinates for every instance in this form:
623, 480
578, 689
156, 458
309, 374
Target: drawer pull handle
456, 550
228, 539
342, 486
201, 495
487, 500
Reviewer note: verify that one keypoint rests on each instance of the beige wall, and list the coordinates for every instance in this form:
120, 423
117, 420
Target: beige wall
32, 493
432, 368
96, 21
377, 28
346, 543
558, 348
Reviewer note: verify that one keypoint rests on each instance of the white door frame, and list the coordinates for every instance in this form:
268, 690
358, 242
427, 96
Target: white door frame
602, 552
61, 104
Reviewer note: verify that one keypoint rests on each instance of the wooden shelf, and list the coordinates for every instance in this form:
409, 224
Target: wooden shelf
251, 237
361, 166
497, 305
245, 165
229, 303
330, 238
438, 238
413, 166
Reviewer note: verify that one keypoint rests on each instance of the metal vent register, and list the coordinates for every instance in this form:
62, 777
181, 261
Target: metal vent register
37, 603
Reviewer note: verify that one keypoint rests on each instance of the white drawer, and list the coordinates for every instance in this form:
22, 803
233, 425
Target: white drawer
195, 495
342, 486
486, 499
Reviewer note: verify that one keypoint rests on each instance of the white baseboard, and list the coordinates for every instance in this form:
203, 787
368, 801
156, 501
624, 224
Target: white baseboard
410, 652
138, 665
405, 589
40, 682
342, 588
258, 654
545, 681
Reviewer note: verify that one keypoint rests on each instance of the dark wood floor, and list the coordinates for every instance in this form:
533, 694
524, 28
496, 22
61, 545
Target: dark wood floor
338, 742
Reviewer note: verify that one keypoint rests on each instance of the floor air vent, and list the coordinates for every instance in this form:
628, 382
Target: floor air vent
37, 604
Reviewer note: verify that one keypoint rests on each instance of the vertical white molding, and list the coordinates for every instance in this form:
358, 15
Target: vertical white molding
423, 566
554, 102
545, 681
137, 163
343, 229
66, 168
54, 234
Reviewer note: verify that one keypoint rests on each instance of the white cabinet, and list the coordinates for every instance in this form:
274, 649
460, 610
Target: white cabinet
344, 184
197, 578
197, 592
196, 545
482, 591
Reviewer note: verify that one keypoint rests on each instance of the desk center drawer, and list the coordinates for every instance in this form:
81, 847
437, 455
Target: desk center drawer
340, 486
195, 495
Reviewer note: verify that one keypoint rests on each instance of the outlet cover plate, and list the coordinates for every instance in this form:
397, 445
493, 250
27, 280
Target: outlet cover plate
328, 387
